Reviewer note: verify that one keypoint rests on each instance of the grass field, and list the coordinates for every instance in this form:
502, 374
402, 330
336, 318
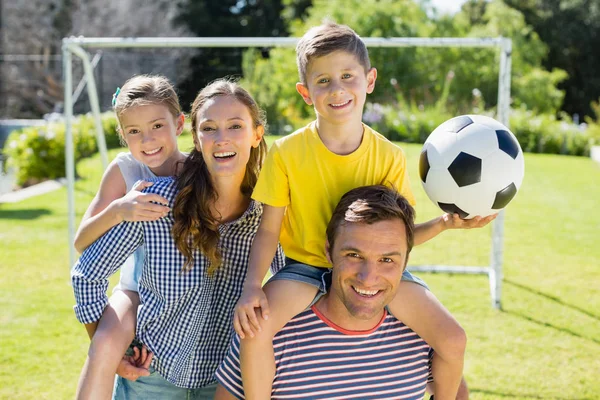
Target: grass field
544, 344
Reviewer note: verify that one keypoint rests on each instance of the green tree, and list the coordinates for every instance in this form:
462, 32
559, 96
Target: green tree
532, 86
225, 18
571, 29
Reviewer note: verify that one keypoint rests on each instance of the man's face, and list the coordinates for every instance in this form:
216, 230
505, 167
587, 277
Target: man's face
368, 261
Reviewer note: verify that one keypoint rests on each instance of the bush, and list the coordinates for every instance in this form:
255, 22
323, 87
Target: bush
536, 133
544, 133
38, 153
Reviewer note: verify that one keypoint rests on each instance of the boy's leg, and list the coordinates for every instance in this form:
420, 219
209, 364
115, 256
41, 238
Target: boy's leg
287, 298
223, 394
116, 330
421, 311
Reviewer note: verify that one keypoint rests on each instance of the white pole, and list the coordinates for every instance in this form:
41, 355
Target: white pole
83, 81
113, 42
497, 255
69, 152
94, 104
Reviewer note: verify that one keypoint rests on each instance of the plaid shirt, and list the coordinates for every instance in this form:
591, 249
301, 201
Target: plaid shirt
185, 317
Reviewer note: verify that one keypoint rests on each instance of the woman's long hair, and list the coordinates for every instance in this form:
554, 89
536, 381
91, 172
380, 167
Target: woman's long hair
195, 226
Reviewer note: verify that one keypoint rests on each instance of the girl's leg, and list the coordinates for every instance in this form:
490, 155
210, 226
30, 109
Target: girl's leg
286, 300
116, 330
421, 311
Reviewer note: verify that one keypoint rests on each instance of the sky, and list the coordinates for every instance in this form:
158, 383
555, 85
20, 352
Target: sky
448, 6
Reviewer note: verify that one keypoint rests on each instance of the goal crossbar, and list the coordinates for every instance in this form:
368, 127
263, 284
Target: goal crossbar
77, 46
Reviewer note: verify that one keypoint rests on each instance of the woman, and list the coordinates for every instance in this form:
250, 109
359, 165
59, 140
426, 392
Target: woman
196, 257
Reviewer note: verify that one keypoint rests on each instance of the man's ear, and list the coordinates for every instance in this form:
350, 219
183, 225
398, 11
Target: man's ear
303, 90
328, 251
371, 78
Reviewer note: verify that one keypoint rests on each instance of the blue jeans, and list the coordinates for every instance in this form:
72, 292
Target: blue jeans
155, 387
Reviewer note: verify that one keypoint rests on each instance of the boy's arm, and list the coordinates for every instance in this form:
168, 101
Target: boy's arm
89, 276
112, 205
264, 245
432, 228
262, 253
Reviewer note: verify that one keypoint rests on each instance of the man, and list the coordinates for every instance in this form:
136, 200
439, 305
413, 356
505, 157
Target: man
346, 345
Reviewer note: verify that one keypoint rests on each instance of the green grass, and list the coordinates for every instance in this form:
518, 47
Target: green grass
544, 344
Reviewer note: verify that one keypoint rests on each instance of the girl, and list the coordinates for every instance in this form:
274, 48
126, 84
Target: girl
149, 121
196, 257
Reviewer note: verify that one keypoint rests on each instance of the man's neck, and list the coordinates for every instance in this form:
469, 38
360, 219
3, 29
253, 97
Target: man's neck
339, 316
342, 139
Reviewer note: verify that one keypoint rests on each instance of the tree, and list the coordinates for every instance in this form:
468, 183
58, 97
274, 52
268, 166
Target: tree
231, 18
533, 87
571, 29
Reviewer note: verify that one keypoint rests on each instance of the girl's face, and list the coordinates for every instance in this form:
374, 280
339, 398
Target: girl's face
225, 136
150, 132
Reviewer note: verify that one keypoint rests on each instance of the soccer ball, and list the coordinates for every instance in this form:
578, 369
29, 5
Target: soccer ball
471, 165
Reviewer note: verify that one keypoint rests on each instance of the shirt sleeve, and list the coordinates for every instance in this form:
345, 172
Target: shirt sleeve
430, 371
273, 187
278, 261
229, 374
103, 258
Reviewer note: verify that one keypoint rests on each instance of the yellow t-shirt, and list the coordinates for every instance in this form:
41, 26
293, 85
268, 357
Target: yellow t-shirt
302, 174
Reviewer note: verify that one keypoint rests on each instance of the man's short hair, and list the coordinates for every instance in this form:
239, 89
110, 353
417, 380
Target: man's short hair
328, 38
370, 204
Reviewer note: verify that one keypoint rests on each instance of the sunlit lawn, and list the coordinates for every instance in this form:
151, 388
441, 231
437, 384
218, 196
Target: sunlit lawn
544, 344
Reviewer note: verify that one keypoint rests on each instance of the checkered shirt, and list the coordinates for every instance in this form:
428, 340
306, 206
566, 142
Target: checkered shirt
185, 317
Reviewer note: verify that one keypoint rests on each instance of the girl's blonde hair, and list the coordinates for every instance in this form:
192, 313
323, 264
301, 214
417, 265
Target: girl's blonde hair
145, 90
195, 226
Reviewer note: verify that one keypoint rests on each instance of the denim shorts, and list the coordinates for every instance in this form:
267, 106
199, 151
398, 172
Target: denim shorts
320, 277
155, 386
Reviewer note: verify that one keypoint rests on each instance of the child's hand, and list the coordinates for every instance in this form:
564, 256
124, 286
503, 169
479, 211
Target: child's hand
132, 367
244, 317
453, 221
137, 206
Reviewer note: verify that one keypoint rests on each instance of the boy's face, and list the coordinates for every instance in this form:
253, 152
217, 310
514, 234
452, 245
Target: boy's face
337, 86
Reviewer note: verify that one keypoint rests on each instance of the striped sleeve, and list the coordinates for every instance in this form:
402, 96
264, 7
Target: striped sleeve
229, 374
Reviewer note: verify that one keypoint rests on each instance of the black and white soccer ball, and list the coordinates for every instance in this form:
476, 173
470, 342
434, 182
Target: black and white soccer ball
471, 165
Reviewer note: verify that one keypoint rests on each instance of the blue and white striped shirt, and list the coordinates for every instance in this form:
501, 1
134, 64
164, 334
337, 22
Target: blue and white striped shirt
185, 317
316, 359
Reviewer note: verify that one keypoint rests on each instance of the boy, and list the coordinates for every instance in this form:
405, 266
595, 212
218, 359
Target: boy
303, 178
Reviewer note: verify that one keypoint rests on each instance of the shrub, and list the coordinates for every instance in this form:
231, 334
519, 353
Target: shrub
536, 133
38, 153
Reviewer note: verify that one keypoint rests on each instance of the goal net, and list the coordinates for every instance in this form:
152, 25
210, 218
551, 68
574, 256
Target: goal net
459, 247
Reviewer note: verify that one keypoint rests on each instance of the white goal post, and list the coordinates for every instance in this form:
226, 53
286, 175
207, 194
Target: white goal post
77, 46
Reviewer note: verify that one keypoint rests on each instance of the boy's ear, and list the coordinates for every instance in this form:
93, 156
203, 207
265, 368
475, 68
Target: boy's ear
303, 90
371, 78
180, 124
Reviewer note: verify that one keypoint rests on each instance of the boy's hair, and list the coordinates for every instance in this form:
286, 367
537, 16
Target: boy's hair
370, 204
143, 90
195, 226
328, 38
